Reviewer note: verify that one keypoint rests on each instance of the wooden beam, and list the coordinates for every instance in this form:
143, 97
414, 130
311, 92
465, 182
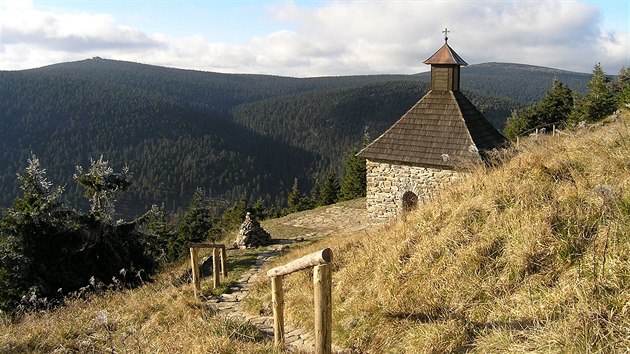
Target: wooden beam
194, 266
322, 284
316, 258
224, 263
277, 302
216, 273
205, 245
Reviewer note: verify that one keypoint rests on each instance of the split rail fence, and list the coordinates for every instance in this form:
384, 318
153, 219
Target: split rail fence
219, 256
322, 284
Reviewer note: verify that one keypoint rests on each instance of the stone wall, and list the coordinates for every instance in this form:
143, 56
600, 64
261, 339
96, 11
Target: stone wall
386, 184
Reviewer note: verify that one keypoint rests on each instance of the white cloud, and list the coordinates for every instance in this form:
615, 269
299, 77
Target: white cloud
336, 38
67, 32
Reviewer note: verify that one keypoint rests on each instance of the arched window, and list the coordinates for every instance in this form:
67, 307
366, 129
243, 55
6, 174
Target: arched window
409, 202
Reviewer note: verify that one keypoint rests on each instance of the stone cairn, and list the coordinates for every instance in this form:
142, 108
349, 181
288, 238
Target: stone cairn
251, 234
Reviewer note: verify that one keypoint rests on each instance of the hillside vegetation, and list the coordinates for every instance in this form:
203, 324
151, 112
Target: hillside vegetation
519, 82
531, 255
181, 129
161, 316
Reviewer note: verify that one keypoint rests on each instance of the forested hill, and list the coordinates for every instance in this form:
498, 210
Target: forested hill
519, 82
234, 135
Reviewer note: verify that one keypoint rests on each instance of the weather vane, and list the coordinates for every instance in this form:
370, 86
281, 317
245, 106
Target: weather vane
446, 31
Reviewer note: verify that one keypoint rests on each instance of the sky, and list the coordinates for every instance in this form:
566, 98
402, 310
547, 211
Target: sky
315, 38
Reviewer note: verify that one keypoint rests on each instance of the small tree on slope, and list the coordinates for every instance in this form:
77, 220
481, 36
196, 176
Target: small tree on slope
600, 100
101, 185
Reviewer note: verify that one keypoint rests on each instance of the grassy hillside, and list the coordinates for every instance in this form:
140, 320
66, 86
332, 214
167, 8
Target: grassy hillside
160, 316
531, 255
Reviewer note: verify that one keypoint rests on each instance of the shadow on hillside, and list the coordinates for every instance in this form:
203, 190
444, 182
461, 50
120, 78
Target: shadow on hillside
471, 329
519, 324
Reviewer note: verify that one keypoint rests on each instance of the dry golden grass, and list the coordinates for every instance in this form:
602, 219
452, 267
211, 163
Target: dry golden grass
162, 316
530, 256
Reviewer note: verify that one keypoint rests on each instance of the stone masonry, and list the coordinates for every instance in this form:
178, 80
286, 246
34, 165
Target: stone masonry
251, 234
387, 183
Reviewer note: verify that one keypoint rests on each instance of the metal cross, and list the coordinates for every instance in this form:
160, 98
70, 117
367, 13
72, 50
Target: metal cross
446, 31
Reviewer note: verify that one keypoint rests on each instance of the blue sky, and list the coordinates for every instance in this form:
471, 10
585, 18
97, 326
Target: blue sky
615, 13
220, 21
315, 38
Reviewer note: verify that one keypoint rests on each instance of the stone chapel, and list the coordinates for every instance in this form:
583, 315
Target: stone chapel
437, 140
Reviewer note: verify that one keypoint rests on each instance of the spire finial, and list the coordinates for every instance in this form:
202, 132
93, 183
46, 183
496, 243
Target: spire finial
446, 31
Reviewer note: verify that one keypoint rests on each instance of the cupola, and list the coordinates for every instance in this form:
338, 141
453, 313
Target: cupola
445, 65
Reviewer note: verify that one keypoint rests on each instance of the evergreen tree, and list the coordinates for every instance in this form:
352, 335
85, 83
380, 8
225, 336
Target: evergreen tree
554, 108
599, 101
26, 232
623, 86
38, 198
45, 246
258, 209
517, 124
329, 193
353, 184
101, 185
196, 225
296, 201
293, 200
316, 192
159, 232
234, 216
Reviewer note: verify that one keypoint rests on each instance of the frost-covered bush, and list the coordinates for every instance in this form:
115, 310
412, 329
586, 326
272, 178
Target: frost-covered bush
46, 246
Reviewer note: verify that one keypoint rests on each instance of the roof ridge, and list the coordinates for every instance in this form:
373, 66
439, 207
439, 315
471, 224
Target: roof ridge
463, 119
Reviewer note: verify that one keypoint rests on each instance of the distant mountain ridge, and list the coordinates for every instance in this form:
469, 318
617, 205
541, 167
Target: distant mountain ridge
235, 135
519, 82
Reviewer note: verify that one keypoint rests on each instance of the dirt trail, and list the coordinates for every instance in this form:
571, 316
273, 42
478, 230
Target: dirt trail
345, 216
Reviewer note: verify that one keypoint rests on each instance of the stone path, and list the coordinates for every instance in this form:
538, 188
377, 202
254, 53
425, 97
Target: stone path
324, 222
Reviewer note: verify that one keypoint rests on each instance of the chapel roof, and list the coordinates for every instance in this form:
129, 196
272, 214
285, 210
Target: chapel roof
442, 130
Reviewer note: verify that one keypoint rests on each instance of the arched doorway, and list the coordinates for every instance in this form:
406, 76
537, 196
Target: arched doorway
409, 202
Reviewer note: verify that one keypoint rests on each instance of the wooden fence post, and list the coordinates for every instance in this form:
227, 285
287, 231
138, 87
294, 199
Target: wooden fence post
194, 265
277, 301
216, 253
224, 263
322, 283
322, 280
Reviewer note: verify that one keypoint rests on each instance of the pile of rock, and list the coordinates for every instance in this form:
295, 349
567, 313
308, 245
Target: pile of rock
251, 234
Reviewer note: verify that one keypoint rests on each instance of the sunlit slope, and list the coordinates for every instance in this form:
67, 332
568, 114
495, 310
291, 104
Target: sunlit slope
530, 255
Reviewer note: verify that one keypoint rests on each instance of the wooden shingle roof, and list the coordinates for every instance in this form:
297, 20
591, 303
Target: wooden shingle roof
442, 130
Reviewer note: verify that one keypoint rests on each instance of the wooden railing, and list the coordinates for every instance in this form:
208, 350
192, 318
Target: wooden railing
218, 255
322, 284
541, 129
